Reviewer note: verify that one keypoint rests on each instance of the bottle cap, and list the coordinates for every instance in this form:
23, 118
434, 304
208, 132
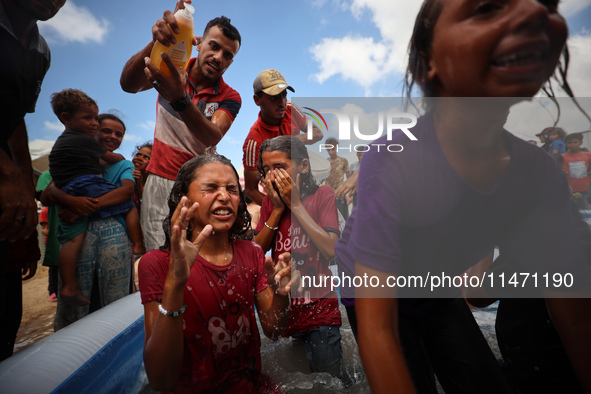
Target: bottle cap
189, 8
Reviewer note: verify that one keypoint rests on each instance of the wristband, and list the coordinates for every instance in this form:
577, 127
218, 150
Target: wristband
271, 228
173, 313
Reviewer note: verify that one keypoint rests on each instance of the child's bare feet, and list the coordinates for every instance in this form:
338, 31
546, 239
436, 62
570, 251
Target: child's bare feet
74, 297
138, 249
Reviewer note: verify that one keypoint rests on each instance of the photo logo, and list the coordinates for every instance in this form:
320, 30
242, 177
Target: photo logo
389, 121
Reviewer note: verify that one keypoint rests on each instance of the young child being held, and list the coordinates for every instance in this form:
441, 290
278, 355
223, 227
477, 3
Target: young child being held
76, 163
576, 165
557, 145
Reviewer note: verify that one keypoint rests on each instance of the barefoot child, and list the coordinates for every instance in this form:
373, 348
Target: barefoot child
75, 168
492, 189
199, 289
300, 217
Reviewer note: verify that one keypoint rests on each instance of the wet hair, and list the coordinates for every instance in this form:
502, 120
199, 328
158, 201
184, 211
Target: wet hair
419, 50
69, 101
296, 151
147, 144
574, 136
102, 117
226, 27
332, 141
186, 175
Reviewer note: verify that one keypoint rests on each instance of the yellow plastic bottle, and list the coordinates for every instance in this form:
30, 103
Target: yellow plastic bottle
180, 53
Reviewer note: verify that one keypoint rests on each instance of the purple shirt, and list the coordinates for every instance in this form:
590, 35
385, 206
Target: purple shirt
415, 215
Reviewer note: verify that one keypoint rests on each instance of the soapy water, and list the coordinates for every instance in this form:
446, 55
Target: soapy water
285, 362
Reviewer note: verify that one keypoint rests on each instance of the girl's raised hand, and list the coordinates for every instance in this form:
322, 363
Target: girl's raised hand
183, 251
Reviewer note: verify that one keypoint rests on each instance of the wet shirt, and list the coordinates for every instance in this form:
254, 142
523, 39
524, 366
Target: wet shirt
221, 339
415, 215
318, 306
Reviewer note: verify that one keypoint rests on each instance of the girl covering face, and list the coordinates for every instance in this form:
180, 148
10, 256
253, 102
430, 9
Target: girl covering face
466, 187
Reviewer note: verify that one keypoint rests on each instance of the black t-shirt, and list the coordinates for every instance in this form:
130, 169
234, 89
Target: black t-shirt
74, 154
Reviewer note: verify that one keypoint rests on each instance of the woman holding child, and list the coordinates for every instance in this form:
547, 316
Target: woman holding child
106, 251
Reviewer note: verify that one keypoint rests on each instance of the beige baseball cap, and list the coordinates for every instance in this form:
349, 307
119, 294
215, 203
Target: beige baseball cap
270, 82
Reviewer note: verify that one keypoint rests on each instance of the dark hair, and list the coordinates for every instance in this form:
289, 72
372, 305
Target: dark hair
69, 101
186, 175
419, 48
102, 117
574, 136
296, 151
561, 133
419, 52
332, 141
226, 27
147, 144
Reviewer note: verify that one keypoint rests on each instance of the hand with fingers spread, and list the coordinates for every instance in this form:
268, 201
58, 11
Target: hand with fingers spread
279, 275
184, 251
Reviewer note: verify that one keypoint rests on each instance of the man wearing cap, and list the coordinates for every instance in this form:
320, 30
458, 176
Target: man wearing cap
194, 112
277, 116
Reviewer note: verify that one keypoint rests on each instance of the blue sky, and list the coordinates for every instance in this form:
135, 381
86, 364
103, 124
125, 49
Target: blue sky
324, 48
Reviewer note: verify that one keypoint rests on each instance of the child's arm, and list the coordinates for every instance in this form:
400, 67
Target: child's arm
112, 158
272, 304
290, 194
163, 346
116, 196
265, 237
379, 341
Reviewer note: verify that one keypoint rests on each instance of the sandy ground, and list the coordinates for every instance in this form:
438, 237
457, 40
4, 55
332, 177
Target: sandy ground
38, 313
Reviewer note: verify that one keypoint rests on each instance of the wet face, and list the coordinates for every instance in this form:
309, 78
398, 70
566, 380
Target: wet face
573, 145
84, 120
41, 10
217, 191
142, 158
272, 107
495, 48
276, 160
110, 134
216, 53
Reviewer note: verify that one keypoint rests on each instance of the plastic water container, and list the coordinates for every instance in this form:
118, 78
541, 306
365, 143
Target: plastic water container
180, 53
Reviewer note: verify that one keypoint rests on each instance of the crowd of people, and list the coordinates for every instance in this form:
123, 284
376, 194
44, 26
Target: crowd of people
179, 212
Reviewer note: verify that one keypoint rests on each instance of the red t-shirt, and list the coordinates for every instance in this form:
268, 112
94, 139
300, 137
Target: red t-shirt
576, 167
221, 339
174, 144
319, 306
293, 121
